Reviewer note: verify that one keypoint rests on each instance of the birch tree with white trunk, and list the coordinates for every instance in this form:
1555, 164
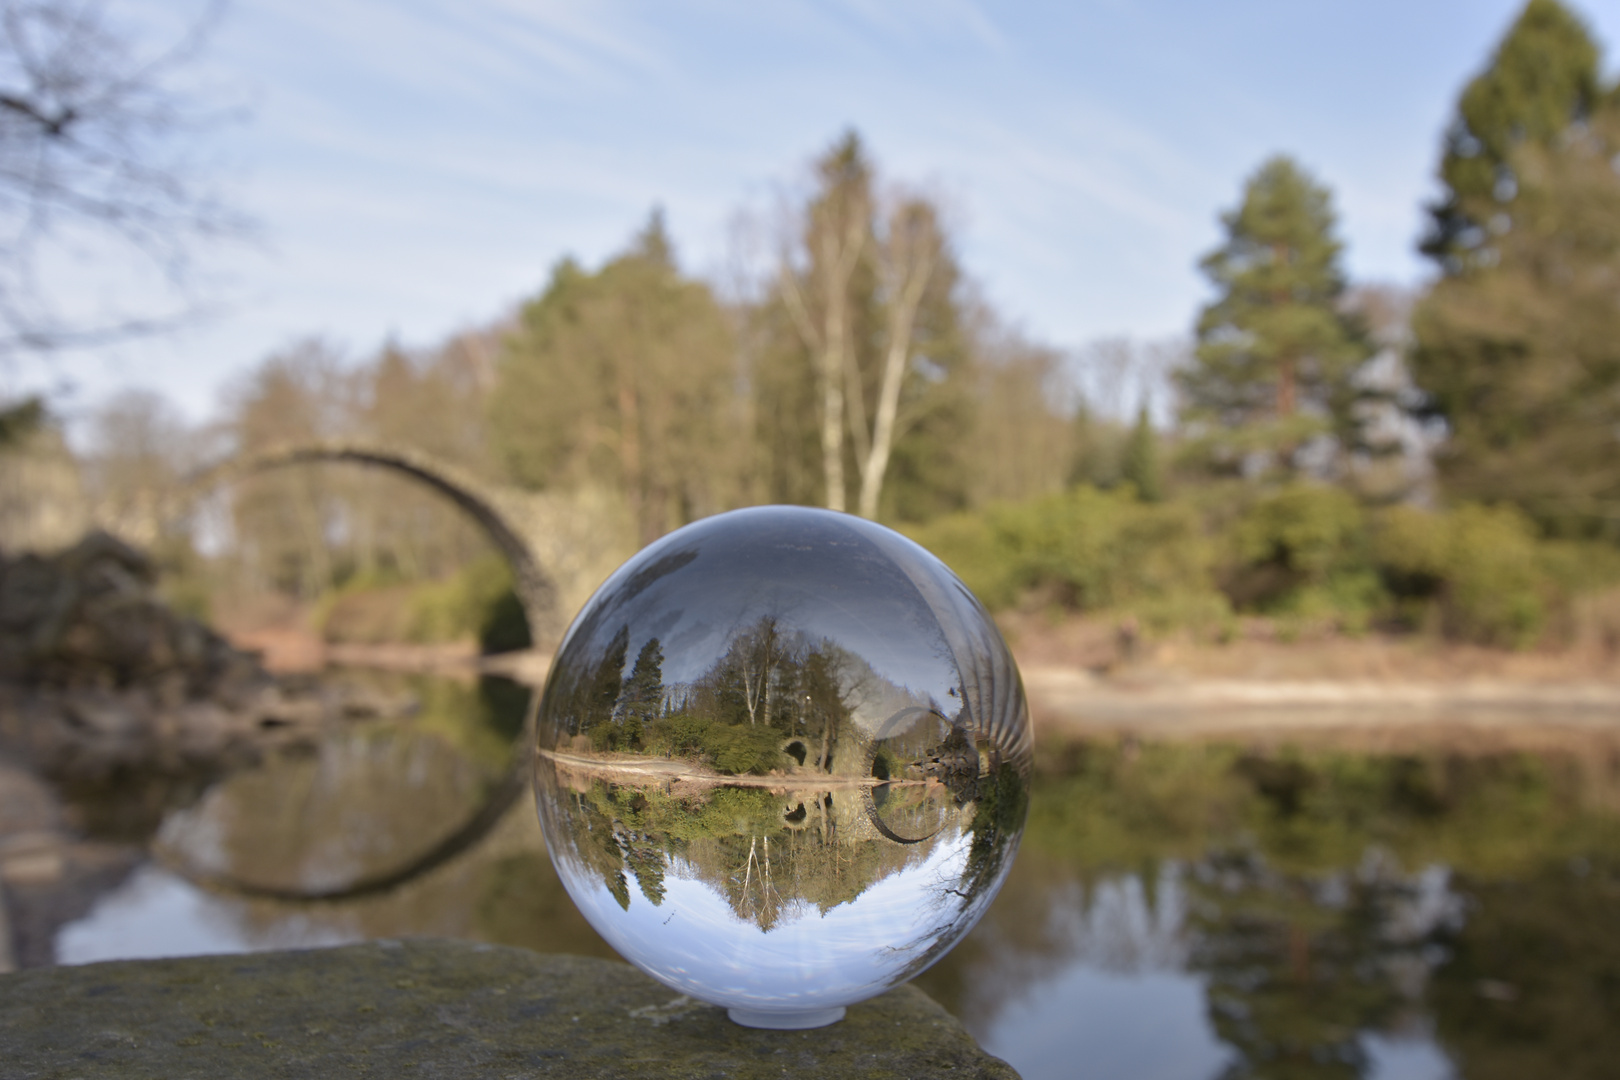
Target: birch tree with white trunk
854, 257
912, 248
818, 295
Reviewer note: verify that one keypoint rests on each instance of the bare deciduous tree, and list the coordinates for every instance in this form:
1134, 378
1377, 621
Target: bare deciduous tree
912, 247
857, 256
97, 144
836, 235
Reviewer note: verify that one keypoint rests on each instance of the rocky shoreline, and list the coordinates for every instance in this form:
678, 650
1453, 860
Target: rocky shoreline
107, 692
99, 679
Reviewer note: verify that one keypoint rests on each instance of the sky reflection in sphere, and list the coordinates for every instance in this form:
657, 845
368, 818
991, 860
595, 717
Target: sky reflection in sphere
783, 761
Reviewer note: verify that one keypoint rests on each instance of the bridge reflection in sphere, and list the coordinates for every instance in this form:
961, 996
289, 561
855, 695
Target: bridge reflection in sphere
783, 761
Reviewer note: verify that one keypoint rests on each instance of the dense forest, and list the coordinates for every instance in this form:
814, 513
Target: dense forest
1319, 451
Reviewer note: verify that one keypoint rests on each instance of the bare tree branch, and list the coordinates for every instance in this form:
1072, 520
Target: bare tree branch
96, 153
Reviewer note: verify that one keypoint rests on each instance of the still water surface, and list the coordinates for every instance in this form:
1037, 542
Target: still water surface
1176, 912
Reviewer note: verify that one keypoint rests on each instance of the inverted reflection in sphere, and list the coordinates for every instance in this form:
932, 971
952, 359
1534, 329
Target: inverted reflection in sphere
783, 762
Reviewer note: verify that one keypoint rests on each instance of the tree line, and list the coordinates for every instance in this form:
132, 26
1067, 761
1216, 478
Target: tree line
1513, 351
859, 368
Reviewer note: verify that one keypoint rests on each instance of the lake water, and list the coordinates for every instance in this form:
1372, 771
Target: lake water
1175, 911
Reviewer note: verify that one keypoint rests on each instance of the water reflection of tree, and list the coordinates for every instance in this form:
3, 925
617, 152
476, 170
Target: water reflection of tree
1300, 967
781, 702
1532, 983
1310, 944
767, 859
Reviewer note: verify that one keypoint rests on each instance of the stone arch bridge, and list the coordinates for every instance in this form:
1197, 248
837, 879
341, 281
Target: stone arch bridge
514, 520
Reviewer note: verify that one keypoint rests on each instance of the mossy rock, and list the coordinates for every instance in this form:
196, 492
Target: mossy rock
427, 1009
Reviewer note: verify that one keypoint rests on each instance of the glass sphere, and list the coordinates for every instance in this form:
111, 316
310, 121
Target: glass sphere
782, 762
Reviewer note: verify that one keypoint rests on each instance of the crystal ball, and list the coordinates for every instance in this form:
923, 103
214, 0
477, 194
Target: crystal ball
782, 762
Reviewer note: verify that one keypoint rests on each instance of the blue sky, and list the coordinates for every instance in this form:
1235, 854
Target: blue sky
418, 166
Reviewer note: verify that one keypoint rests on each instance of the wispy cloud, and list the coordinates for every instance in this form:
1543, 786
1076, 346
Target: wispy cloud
915, 20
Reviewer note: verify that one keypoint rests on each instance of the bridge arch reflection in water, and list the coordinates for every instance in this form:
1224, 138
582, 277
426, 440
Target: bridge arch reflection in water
510, 519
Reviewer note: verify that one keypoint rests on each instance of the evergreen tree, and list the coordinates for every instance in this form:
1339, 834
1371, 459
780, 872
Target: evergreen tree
1098, 449
1542, 78
1517, 347
642, 697
1141, 466
1274, 354
624, 377
601, 692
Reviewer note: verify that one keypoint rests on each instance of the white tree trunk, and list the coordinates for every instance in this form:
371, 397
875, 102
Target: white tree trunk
911, 264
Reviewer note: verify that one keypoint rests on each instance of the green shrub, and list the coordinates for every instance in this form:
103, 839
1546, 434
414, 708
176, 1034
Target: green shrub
1104, 549
1480, 567
1303, 552
1207, 613
1580, 566
1308, 553
1310, 529
1089, 550
680, 735
968, 544
477, 602
1495, 585
731, 748
1412, 549
743, 748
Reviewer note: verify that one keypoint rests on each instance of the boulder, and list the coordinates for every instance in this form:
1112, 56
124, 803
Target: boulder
430, 1009
100, 678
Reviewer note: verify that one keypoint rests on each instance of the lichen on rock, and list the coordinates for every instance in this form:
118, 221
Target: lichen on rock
430, 1009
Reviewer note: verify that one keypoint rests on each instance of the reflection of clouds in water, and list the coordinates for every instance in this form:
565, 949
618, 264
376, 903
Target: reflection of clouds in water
696, 943
1108, 976
1104, 978
1411, 1057
1106, 1026
156, 914
1117, 929
1424, 905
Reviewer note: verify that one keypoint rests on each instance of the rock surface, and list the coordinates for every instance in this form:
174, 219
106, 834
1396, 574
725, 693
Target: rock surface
431, 1009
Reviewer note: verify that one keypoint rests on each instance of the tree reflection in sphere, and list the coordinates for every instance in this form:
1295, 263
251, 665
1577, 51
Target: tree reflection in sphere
783, 762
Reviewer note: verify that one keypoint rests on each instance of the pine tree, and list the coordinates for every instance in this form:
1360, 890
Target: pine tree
1275, 354
642, 697
1542, 78
1517, 347
601, 693
1141, 467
